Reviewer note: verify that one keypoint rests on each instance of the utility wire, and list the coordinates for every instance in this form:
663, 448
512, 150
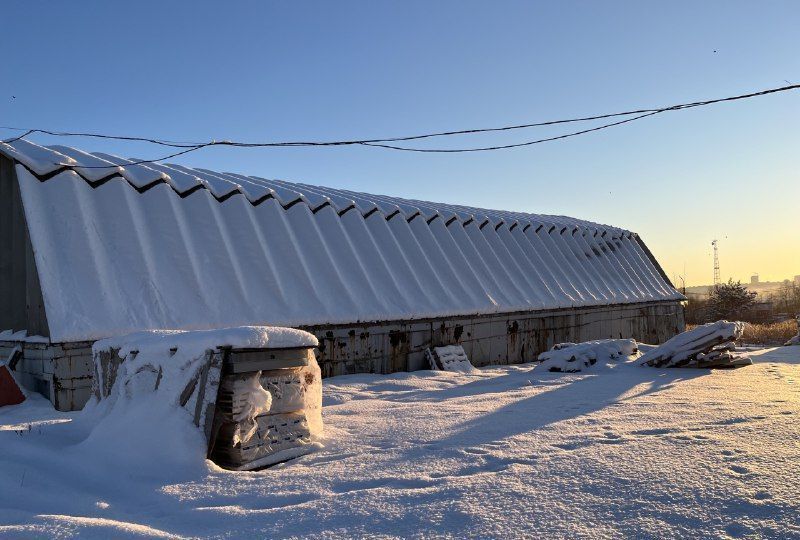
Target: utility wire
187, 147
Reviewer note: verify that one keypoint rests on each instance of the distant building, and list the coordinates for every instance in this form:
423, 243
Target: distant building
797, 280
754, 279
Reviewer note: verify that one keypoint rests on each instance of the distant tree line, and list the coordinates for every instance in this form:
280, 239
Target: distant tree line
787, 298
733, 301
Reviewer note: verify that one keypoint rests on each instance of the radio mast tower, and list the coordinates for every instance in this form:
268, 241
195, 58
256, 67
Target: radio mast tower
716, 264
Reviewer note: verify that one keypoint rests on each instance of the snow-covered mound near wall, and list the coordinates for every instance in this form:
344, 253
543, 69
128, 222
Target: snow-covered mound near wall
142, 423
575, 357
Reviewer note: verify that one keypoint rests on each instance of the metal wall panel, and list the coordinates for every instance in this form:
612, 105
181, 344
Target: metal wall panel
488, 340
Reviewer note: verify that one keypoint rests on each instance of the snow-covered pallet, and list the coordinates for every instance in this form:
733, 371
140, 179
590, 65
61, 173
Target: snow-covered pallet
575, 357
265, 416
707, 346
449, 358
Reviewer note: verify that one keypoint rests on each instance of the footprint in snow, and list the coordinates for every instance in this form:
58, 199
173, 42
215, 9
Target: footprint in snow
655, 431
609, 437
573, 445
492, 465
475, 451
732, 421
738, 469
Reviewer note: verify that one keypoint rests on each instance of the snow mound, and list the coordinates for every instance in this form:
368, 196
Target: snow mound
575, 357
698, 347
22, 336
156, 414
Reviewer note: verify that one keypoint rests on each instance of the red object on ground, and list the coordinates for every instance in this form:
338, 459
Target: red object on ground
10, 393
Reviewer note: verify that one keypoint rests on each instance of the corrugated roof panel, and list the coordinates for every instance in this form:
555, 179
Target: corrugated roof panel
138, 175
289, 254
340, 203
560, 269
220, 184
90, 167
40, 159
496, 266
180, 180
286, 196
493, 287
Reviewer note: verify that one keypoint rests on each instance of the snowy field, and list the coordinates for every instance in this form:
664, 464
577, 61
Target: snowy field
501, 453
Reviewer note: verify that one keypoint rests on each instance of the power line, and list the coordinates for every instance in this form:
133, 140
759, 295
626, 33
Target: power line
187, 147
516, 145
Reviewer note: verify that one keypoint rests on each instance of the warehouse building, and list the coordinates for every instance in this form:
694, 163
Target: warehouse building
96, 246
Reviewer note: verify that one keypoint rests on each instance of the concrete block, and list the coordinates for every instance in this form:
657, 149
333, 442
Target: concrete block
73, 383
77, 345
80, 396
81, 366
54, 351
26, 380
62, 399
48, 367
83, 351
31, 365
62, 369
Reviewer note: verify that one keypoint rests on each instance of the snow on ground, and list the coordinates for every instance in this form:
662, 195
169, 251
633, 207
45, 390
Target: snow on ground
503, 452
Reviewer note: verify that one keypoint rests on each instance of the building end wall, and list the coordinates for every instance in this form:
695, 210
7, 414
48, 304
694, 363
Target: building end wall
20, 290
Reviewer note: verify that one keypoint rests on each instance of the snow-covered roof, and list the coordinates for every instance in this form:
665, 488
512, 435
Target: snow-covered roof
132, 247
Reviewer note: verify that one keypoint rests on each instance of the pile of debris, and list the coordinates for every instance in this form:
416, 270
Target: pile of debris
707, 346
575, 357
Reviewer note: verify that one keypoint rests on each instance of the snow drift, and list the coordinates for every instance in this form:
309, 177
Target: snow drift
156, 392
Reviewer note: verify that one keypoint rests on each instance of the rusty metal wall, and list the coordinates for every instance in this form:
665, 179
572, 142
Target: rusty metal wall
497, 339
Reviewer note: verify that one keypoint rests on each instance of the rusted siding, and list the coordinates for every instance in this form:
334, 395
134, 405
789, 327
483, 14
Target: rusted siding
488, 340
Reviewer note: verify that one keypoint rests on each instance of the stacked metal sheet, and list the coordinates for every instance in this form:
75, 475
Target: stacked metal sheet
245, 436
706, 346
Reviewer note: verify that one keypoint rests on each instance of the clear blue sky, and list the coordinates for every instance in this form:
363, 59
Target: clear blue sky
333, 70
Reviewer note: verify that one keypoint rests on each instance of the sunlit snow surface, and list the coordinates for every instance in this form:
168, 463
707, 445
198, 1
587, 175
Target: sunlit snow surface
626, 451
